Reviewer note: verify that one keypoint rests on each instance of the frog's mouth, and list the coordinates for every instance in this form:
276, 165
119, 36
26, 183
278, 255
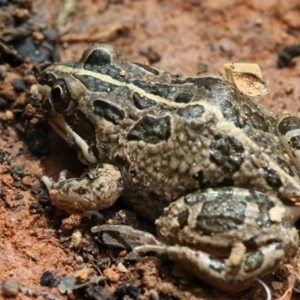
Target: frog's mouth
58, 122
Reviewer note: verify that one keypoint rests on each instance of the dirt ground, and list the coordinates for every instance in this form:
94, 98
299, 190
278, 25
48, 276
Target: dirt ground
184, 37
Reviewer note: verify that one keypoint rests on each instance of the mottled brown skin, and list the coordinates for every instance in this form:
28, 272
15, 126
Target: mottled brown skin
162, 137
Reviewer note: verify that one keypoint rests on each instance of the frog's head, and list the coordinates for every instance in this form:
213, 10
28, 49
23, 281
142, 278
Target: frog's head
68, 92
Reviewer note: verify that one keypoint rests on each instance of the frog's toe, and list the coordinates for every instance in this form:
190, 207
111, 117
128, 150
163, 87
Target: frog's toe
64, 175
48, 182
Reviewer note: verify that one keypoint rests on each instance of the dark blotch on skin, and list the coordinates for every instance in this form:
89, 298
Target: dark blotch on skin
108, 111
191, 112
264, 205
221, 215
209, 83
195, 197
217, 264
151, 130
288, 124
253, 261
182, 218
255, 119
98, 57
184, 98
84, 128
156, 89
142, 102
73, 64
232, 114
99, 61
165, 107
227, 153
259, 122
94, 84
294, 142
81, 191
149, 69
272, 178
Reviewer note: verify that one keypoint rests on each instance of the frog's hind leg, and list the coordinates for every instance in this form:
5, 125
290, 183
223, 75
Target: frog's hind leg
227, 237
221, 272
231, 274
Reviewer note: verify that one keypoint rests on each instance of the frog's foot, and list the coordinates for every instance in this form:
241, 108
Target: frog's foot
97, 189
137, 237
226, 274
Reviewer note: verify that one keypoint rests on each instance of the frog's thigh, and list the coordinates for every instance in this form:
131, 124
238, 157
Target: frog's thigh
98, 189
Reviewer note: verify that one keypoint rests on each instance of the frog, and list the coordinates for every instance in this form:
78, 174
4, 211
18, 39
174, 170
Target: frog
217, 174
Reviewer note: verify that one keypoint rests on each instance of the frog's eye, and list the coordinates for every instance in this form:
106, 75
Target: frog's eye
60, 96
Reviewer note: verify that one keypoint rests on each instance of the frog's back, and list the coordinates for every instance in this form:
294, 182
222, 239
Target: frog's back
200, 132
171, 135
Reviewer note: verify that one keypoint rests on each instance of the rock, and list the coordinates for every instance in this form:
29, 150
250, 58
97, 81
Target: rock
111, 275
11, 287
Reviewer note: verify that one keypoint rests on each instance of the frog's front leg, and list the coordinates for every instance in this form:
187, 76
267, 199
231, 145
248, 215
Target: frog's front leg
97, 189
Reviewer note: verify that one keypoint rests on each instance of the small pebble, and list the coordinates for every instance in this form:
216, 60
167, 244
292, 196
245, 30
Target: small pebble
277, 285
10, 287
75, 238
69, 260
21, 13
111, 275
82, 275
27, 180
121, 268
79, 259
9, 115
7, 180
18, 196
48, 279
38, 36
19, 85
126, 290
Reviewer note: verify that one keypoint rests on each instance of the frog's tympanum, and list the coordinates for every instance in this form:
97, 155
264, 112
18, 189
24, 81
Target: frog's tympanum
219, 175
